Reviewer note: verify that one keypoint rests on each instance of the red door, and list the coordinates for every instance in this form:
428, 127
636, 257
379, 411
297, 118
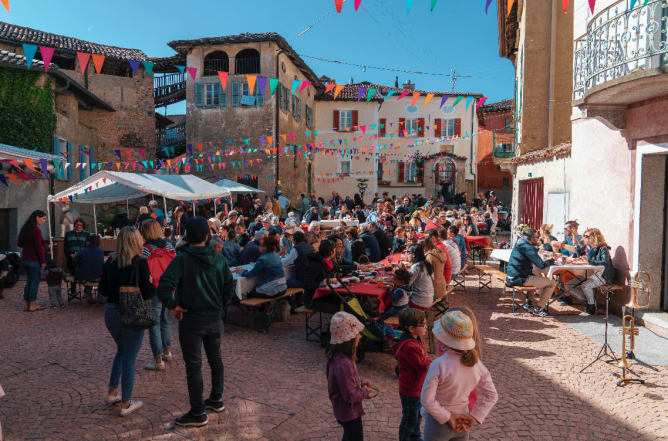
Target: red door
532, 203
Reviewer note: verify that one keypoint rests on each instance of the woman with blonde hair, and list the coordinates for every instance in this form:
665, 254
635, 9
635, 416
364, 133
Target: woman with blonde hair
127, 268
597, 252
416, 221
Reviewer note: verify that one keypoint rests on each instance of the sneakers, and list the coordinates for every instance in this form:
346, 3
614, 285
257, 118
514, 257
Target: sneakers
566, 300
216, 406
167, 357
153, 366
113, 399
134, 405
527, 306
190, 420
590, 310
540, 312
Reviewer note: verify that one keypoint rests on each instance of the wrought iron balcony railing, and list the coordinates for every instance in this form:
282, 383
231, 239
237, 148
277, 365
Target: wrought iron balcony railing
619, 42
504, 143
171, 136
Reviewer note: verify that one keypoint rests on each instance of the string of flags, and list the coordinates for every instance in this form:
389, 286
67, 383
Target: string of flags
5, 4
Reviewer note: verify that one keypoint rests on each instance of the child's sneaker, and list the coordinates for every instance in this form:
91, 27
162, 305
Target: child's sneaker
134, 405
153, 366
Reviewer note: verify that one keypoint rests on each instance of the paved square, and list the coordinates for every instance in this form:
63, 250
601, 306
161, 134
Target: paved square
56, 366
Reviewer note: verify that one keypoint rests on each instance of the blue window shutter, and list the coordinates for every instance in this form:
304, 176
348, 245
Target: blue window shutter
56, 152
92, 159
236, 93
69, 160
259, 96
82, 170
222, 97
299, 109
198, 94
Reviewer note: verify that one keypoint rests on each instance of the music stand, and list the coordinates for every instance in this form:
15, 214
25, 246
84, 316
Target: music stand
608, 290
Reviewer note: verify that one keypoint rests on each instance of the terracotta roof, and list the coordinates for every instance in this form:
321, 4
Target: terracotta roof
501, 106
181, 46
168, 64
15, 61
351, 91
20, 34
544, 154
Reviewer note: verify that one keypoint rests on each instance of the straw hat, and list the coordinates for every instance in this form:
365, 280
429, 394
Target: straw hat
344, 327
455, 330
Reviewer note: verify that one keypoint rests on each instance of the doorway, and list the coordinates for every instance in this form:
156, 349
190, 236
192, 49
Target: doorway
531, 202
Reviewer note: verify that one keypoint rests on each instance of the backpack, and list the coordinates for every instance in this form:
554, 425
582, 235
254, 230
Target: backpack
158, 261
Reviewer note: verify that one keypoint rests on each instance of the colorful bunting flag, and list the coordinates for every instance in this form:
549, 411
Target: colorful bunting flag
329, 88
361, 91
181, 68
433, 5
29, 51
6, 3
2, 177
47, 54
403, 94
295, 84
357, 4
98, 62
222, 76
443, 100
416, 95
304, 85
261, 84
409, 4
273, 83
134, 65
192, 71
251, 83
592, 5
83, 57
482, 100
428, 98
389, 94
489, 2
510, 6
564, 5
459, 98
370, 95
338, 4
338, 89
468, 101
148, 65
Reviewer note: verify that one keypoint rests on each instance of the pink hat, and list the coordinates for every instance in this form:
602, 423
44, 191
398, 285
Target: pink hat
455, 330
344, 327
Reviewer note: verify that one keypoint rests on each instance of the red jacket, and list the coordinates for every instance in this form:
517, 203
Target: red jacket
413, 366
431, 226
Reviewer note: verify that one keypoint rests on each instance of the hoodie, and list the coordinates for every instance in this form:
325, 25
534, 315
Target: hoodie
199, 280
437, 259
413, 365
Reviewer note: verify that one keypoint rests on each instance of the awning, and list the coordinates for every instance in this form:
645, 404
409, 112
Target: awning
110, 186
236, 187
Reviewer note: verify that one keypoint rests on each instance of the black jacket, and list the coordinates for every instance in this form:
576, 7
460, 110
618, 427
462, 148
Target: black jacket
317, 272
384, 241
301, 263
137, 274
519, 267
602, 258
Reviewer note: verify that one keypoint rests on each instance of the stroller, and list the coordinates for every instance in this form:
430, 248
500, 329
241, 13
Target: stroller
376, 336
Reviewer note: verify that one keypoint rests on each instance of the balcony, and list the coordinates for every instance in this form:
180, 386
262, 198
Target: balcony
623, 57
169, 89
171, 141
503, 141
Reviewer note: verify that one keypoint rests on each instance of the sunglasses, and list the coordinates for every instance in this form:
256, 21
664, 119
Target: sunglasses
586, 236
421, 325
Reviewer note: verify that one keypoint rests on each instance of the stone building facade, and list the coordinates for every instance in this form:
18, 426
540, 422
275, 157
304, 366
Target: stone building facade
496, 139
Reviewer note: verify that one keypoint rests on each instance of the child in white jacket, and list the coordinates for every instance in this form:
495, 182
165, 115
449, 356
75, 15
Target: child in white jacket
450, 380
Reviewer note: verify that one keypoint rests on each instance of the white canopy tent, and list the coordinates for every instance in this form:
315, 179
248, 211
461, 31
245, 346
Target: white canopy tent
110, 186
236, 187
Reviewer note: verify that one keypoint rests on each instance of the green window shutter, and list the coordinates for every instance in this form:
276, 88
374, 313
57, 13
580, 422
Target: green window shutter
299, 109
56, 152
69, 161
259, 96
198, 94
236, 94
91, 159
82, 170
222, 97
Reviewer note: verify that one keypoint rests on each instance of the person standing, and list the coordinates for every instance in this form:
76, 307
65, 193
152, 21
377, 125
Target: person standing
74, 241
33, 257
195, 287
88, 264
126, 269
157, 213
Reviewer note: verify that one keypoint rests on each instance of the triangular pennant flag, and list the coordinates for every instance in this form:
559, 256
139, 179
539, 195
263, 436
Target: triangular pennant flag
47, 54
633, 3
403, 94
409, 4
433, 5
295, 84
134, 65
428, 98
304, 85
181, 68
251, 83
338, 4
98, 62
2, 177
468, 101
29, 51
338, 89
193, 72
416, 95
390, 93
645, 4
370, 95
459, 98
261, 84
592, 5
564, 4
361, 91
510, 6
83, 57
444, 99
6, 3
329, 88
482, 100
222, 76
273, 83
487, 3
148, 65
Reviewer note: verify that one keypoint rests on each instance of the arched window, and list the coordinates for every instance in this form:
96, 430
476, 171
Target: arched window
248, 62
446, 172
216, 61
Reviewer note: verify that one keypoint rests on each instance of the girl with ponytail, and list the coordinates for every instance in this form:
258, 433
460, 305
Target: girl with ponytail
452, 377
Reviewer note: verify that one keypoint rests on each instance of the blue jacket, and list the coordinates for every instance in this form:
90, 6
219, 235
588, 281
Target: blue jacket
519, 267
249, 254
372, 246
88, 263
267, 268
231, 251
462, 248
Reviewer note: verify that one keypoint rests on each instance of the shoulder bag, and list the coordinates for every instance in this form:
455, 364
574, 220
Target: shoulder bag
135, 312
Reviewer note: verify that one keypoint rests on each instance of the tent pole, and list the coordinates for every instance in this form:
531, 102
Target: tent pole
215, 212
194, 210
164, 203
95, 218
48, 221
127, 207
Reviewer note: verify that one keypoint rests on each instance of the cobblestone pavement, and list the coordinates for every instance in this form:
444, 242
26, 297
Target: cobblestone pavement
56, 365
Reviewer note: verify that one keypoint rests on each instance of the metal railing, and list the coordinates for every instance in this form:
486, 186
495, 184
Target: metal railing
170, 136
247, 65
212, 66
619, 42
168, 84
504, 143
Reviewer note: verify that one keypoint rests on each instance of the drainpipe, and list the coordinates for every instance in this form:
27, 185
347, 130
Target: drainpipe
276, 123
475, 187
550, 101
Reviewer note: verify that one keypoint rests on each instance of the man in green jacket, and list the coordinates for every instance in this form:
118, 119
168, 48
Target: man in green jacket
195, 287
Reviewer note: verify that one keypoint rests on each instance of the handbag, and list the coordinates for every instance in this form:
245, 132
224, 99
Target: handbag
135, 312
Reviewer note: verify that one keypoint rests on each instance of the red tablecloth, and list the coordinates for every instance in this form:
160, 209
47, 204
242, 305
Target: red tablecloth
305, 228
361, 289
481, 225
482, 241
392, 258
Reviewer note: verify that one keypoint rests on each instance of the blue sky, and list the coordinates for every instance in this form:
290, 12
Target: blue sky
457, 34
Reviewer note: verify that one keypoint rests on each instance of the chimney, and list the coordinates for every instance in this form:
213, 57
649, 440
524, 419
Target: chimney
352, 81
396, 81
408, 85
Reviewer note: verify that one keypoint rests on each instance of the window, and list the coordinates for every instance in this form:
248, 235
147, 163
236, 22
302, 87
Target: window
448, 128
506, 182
308, 115
411, 172
212, 95
507, 126
214, 62
236, 94
345, 168
446, 172
247, 62
412, 127
379, 173
296, 108
284, 102
345, 119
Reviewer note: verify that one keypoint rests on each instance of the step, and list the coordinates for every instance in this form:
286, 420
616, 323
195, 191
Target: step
657, 322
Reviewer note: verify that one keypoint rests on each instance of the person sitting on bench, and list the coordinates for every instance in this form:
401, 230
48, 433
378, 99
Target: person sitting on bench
268, 270
519, 270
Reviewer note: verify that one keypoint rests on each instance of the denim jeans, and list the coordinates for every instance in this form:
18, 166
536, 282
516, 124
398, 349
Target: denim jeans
433, 431
128, 343
159, 334
55, 295
32, 283
353, 430
409, 428
192, 336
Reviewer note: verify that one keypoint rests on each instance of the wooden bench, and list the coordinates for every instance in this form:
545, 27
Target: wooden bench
256, 303
310, 329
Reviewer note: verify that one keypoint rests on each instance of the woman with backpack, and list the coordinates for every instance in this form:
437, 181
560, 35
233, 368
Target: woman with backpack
158, 253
